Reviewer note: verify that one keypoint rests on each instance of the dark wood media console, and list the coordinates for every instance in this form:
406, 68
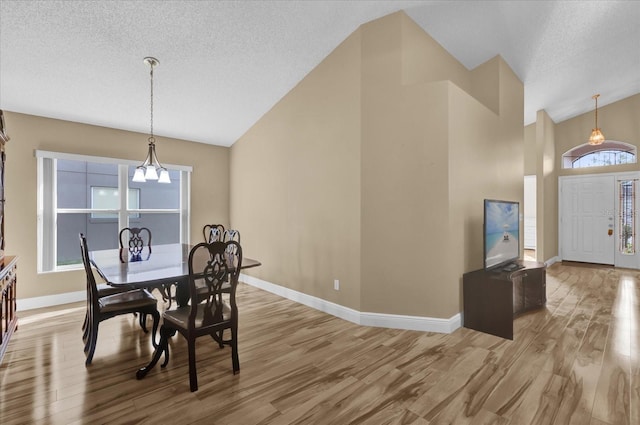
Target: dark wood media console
493, 298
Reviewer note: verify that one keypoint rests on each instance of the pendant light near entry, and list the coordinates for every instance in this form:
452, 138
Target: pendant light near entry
151, 169
596, 138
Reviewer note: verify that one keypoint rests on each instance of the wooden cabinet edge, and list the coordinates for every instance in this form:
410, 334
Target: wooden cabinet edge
9, 280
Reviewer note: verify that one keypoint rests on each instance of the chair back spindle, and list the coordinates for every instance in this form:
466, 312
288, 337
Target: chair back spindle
231, 235
213, 232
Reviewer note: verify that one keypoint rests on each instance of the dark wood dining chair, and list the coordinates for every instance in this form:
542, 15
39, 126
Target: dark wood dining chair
227, 236
139, 246
231, 235
104, 290
105, 307
136, 239
213, 232
211, 264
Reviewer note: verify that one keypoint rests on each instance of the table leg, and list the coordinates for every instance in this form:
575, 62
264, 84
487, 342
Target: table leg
182, 292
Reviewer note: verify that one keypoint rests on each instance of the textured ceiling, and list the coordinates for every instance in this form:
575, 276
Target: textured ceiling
224, 64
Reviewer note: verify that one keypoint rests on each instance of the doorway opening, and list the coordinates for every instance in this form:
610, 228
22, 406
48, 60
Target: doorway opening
529, 213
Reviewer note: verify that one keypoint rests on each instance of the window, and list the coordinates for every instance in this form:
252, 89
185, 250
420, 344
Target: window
606, 154
107, 198
626, 219
82, 194
604, 158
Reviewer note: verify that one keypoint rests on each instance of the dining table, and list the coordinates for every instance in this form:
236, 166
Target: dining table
154, 267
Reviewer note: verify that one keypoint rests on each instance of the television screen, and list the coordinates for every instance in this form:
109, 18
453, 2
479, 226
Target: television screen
501, 232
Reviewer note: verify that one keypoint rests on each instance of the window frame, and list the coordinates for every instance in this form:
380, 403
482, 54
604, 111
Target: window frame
95, 211
47, 209
576, 153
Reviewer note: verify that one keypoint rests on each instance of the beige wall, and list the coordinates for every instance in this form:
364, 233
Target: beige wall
418, 53
209, 185
486, 153
417, 142
443, 151
530, 152
404, 152
546, 189
619, 121
295, 183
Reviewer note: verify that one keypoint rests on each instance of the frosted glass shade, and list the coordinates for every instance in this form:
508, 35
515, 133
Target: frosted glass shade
164, 176
138, 176
151, 173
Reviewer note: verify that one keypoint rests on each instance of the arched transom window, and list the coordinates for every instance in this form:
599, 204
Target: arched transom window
609, 153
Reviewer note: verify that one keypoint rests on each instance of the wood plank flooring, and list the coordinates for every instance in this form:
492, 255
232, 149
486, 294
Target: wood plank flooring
575, 362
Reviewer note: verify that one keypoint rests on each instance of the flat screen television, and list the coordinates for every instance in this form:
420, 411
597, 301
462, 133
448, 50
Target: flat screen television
501, 233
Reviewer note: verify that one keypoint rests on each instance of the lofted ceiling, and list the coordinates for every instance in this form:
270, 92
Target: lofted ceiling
224, 64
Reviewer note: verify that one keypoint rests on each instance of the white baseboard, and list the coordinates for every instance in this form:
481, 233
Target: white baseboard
50, 300
414, 323
417, 323
394, 321
552, 261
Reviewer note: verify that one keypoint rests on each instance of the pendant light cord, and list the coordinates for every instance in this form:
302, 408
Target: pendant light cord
151, 166
151, 139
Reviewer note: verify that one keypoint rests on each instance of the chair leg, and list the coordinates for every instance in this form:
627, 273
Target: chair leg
85, 328
87, 343
85, 324
93, 339
193, 376
217, 337
88, 334
234, 349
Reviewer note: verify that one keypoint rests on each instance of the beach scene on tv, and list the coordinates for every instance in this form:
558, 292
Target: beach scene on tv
501, 232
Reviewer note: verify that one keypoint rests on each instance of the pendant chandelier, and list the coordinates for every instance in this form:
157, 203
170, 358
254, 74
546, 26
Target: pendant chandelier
596, 138
151, 169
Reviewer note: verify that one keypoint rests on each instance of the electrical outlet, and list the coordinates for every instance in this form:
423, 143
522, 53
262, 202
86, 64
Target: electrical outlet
336, 284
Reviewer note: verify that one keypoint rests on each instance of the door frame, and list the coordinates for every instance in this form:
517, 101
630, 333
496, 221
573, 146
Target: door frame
619, 261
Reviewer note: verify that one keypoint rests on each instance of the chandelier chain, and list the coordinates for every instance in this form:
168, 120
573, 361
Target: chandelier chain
596, 98
151, 72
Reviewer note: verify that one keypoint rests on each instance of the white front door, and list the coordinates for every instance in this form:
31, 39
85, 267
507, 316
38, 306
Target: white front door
587, 210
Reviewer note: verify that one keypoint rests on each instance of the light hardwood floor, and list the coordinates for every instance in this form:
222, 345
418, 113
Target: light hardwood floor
574, 362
